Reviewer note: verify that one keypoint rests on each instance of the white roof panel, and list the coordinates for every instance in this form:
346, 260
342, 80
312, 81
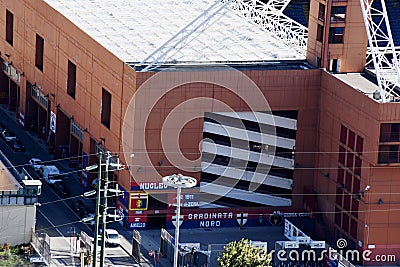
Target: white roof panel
133, 29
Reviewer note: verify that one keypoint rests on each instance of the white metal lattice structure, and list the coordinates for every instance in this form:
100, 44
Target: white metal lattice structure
268, 17
381, 46
292, 33
184, 36
279, 5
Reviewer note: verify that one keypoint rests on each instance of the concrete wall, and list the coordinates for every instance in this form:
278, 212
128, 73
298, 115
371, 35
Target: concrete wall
16, 224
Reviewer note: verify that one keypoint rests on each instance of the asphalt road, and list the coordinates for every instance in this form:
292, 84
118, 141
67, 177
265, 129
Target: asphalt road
54, 216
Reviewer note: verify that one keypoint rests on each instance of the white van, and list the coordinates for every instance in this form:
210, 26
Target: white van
50, 173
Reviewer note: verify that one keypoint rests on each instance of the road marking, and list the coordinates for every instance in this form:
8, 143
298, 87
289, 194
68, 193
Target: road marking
50, 222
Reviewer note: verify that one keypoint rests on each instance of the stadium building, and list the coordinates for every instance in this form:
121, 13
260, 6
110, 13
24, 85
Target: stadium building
277, 108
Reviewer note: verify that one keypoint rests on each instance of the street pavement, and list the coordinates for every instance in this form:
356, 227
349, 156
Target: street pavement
54, 215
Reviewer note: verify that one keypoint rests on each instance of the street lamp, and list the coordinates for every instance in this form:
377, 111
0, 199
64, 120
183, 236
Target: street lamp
178, 181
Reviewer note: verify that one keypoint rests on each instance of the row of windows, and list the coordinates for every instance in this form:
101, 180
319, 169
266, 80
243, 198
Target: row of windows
71, 80
247, 165
249, 145
389, 153
250, 125
338, 15
245, 185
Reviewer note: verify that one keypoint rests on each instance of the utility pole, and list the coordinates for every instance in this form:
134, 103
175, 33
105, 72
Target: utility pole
96, 216
104, 217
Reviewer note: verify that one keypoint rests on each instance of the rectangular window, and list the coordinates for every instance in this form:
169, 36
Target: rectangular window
356, 186
360, 144
320, 33
390, 132
352, 140
350, 160
340, 176
321, 12
39, 52
339, 196
346, 202
338, 14
349, 180
342, 155
345, 222
336, 35
71, 82
9, 27
357, 166
105, 108
388, 154
354, 208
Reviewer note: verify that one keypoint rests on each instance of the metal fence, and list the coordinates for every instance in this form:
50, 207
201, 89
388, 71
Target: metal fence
41, 243
136, 243
189, 256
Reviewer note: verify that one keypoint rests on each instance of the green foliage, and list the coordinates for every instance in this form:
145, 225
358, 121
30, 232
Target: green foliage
243, 254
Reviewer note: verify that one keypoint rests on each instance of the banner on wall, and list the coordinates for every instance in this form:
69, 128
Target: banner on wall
138, 201
52, 125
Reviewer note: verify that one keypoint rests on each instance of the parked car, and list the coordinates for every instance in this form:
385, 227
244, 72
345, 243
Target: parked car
60, 188
35, 163
112, 237
16, 145
7, 136
82, 208
49, 173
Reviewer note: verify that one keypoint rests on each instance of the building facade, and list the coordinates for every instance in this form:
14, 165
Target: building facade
336, 149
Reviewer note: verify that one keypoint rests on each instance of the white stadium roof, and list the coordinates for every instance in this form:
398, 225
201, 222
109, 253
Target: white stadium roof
133, 29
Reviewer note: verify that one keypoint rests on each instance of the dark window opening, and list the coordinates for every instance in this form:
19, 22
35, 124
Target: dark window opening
349, 181
345, 222
359, 146
39, 52
388, 154
340, 176
352, 140
320, 33
9, 27
342, 155
390, 132
338, 14
357, 166
336, 35
321, 12
339, 196
105, 108
71, 82
350, 160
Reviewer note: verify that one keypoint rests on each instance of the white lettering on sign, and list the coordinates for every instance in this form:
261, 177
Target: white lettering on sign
138, 225
210, 216
210, 223
152, 186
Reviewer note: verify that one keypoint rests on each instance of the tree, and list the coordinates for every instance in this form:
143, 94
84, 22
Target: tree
243, 254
